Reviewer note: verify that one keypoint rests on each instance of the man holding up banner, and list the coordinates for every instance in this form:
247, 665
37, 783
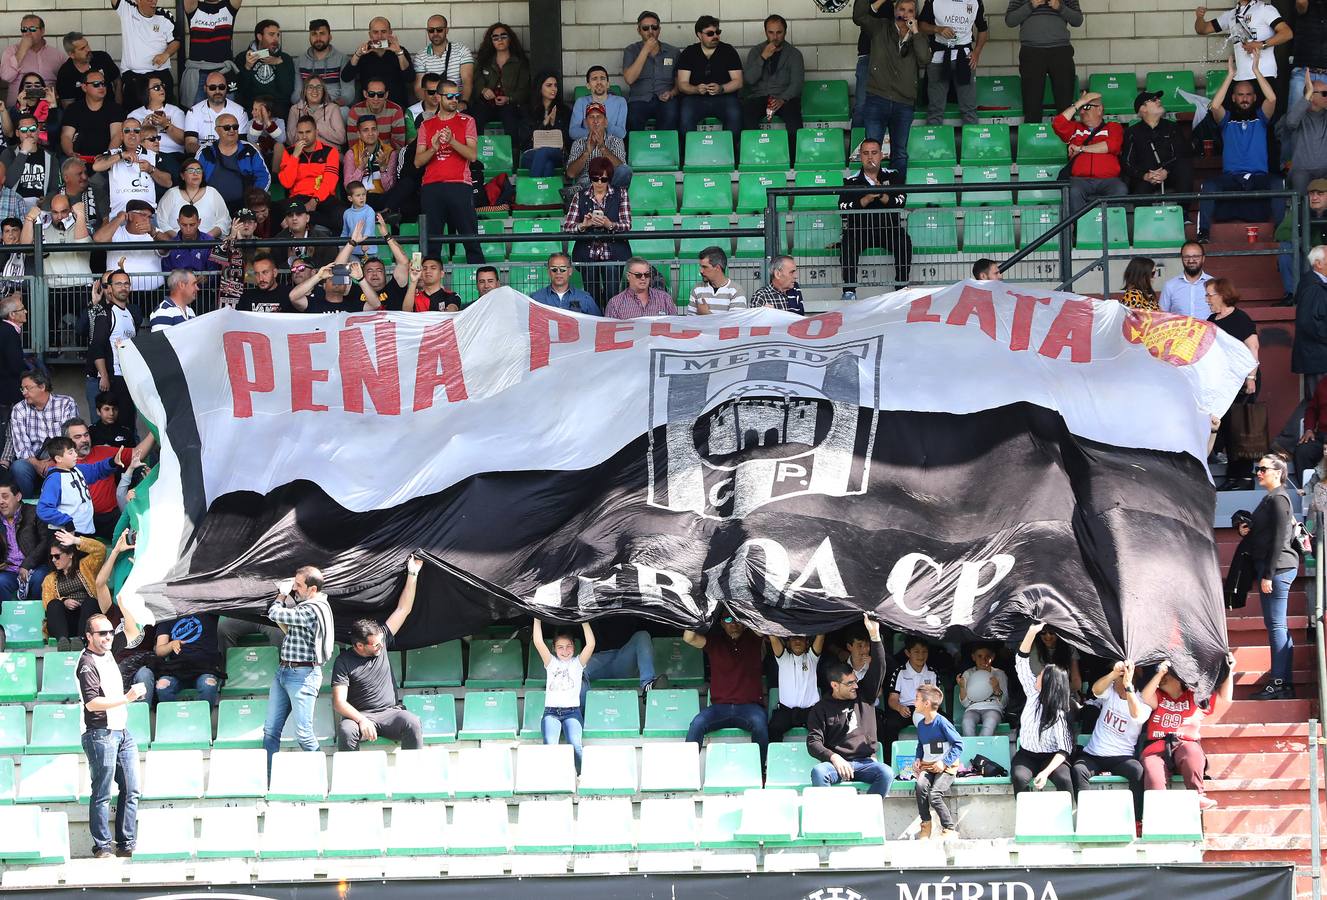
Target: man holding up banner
735, 692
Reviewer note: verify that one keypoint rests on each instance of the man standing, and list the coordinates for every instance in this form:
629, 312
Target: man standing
267, 294
1286, 262
266, 70
30, 54
649, 67
782, 292
1306, 132
560, 294
1155, 155
111, 323
34, 420
1044, 50
425, 291
383, 58
986, 270
841, 728
709, 78
363, 689
110, 748
1308, 355
304, 615
67, 274
13, 316
612, 106
446, 146
1310, 42
82, 59
639, 299
1244, 146
1094, 151
147, 43
735, 654
1253, 26
211, 26
774, 73
323, 61
200, 124
880, 228
132, 172
1186, 293
444, 57
898, 52
181, 288
233, 166
716, 291
312, 170
958, 33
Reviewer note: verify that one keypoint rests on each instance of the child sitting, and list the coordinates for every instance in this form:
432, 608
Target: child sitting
984, 692
798, 691
901, 690
65, 501
938, 751
562, 690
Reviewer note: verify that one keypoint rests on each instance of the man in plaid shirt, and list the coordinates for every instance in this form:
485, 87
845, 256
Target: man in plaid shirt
639, 299
36, 418
306, 618
782, 292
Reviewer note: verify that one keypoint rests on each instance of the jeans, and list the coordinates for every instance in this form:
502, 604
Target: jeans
1087, 765
11, 586
859, 91
880, 114
112, 757
396, 724
937, 91
930, 790
558, 720
451, 204
634, 659
1250, 210
167, 687
746, 716
725, 107
543, 162
1274, 618
875, 773
664, 114
981, 722
1289, 267
26, 478
294, 690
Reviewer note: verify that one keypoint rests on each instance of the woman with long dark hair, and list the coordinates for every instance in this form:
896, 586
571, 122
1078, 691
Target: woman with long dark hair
548, 114
1045, 735
1050, 649
1223, 300
1138, 290
1275, 563
502, 77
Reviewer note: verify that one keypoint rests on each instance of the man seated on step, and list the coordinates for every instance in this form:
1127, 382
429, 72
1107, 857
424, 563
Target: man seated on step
841, 730
632, 658
363, 690
1244, 161
736, 697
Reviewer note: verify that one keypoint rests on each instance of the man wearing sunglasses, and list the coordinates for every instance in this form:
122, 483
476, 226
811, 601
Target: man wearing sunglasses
29, 168
446, 146
233, 166
640, 299
91, 124
649, 67
1306, 132
709, 78
560, 293
388, 114
83, 59
132, 170
147, 41
1155, 156
200, 124
1094, 151
445, 58
30, 54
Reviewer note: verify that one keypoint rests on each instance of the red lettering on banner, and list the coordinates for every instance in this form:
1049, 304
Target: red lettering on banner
440, 364
1025, 310
974, 301
244, 385
302, 373
359, 372
542, 323
761, 331
729, 333
919, 310
1072, 328
817, 328
605, 336
666, 330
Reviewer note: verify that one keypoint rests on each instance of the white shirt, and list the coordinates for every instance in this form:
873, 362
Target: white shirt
1255, 21
112, 688
143, 266
563, 687
202, 120
720, 299
212, 212
1116, 733
142, 37
797, 679
168, 314
979, 694
65, 263
129, 182
122, 329
1059, 738
907, 680
447, 64
176, 117
1185, 297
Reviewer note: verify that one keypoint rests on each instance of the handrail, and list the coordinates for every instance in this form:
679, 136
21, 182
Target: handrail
1316, 736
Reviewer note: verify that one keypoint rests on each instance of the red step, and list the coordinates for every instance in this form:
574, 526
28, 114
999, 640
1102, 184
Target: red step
1259, 659
1266, 711
1262, 737
1227, 234
1305, 681
1298, 605
1258, 765
1268, 820
1249, 636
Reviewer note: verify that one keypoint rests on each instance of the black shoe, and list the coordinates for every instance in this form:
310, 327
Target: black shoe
658, 682
1202, 238
104, 853
1276, 689
1288, 300
124, 854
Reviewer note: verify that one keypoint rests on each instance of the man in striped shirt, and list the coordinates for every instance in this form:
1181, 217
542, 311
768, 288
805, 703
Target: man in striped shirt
640, 300
181, 289
35, 419
716, 291
303, 613
446, 58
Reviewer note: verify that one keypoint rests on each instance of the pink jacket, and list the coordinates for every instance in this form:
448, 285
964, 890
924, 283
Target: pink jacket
327, 119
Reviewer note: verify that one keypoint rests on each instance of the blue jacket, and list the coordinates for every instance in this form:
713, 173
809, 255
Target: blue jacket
614, 106
233, 175
575, 300
65, 500
939, 736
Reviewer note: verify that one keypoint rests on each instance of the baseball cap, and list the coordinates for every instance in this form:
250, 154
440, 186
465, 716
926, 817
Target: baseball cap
1144, 97
1318, 184
596, 107
138, 206
293, 207
245, 213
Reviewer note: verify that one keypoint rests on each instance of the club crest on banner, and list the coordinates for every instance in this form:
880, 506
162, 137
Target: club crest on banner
1174, 339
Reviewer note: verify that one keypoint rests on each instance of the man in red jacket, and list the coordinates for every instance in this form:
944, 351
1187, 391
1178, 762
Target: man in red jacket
312, 169
1094, 151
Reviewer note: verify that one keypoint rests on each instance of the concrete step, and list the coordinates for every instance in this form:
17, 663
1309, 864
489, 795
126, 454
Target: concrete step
1251, 793
1222, 766
1259, 820
1260, 737
1267, 711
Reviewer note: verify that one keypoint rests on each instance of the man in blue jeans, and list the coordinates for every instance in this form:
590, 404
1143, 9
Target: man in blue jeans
110, 748
898, 53
304, 615
841, 727
633, 659
736, 696
709, 78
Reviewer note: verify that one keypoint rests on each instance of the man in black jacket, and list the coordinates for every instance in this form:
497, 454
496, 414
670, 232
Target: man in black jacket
112, 319
14, 315
1155, 156
873, 229
22, 567
841, 727
1308, 355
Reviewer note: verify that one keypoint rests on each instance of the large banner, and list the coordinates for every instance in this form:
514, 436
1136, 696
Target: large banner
956, 462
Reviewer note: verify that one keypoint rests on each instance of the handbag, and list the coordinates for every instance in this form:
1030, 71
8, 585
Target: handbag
546, 138
984, 767
1248, 430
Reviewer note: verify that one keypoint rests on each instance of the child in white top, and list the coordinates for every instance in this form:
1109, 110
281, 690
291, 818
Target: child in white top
984, 692
796, 660
562, 691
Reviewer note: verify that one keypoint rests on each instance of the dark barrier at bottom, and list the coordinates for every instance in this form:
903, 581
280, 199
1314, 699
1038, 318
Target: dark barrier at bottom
1209, 882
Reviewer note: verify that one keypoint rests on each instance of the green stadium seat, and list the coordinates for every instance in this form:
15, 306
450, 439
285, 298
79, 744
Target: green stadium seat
361, 775
655, 248
183, 725
165, 834
59, 681
1047, 196
932, 145
825, 815
670, 766
1036, 221
995, 748
240, 723
1213, 81
237, 774
290, 831
1043, 817
537, 192
1048, 97
612, 714
353, 830
987, 175
668, 713
704, 194
544, 826
830, 179
1117, 90
653, 151
436, 666
483, 772
668, 824
920, 175
1001, 94
8, 781
418, 829
532, 716
494, 252
902, 754
820, 148
731, 768
764, 151
720, 819
583, 91
1172, 815
13, 728
682, 663
535, 251
57, 728
479, 827
607, 770
489, 715
495, 154
24, 623
933, 230
228, 832
249, 671
769, 816
709, 151
18, 676
788, 765
437, 716
173, 775
1158, 227
652, 195
420, 774
751, 194
1170, 83
690, 247
298, 776
324, 725
496, 664
20, 840
826, 101
988, 230
986, 145
1117, 229
749, 247
1105, 817
545, 769
604, 825
816, 234
46, 778
53, 836
1038, 144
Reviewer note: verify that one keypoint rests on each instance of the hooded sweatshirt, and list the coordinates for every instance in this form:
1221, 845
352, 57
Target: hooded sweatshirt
847, 727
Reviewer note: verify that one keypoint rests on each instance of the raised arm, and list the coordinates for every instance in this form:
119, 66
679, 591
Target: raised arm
406, 603
696, 640
776, 644
588, 650
1150, 689
299, 294
1218, 104
1104, 683
537, 638
1268, 93
1200, 23
818, 644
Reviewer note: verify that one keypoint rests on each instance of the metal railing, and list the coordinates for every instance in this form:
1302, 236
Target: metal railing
1316, 741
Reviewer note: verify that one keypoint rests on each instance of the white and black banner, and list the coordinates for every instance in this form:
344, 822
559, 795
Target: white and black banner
955, 461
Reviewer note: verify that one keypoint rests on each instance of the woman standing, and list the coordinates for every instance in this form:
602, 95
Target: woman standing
549, 115
326, 115
1045, 737
1222, 300
600, 210
68, 592
213, 217
1174, 732
1138, 290
502, 75
1275, 563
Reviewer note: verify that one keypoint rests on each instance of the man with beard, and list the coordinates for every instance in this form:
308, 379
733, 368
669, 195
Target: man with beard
876, 229
1244, 139
391, 292
112, 320
203, 121
324, 61
266, 70
267, 295
296, 226
1186, 293
425, 292
105, 510
131, 169
67, 274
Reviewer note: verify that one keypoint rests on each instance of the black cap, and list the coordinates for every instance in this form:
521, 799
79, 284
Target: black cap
1146, 96
294, 206
246, 213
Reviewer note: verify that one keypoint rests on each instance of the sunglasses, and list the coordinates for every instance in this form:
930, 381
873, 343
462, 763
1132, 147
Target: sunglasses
501, 37
453, 95
295, 270
156, 87
57, 556
375, 94
599, 179
95, 84
715, 33
30, 29
639, 274
132, 130
27, 129
152, 137
102, 633
727, 620
1088, 106
442, 30
191, 170
228, 128
432, 92
1262, 468
1321, 93
559, 268
649, 27
216, 87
